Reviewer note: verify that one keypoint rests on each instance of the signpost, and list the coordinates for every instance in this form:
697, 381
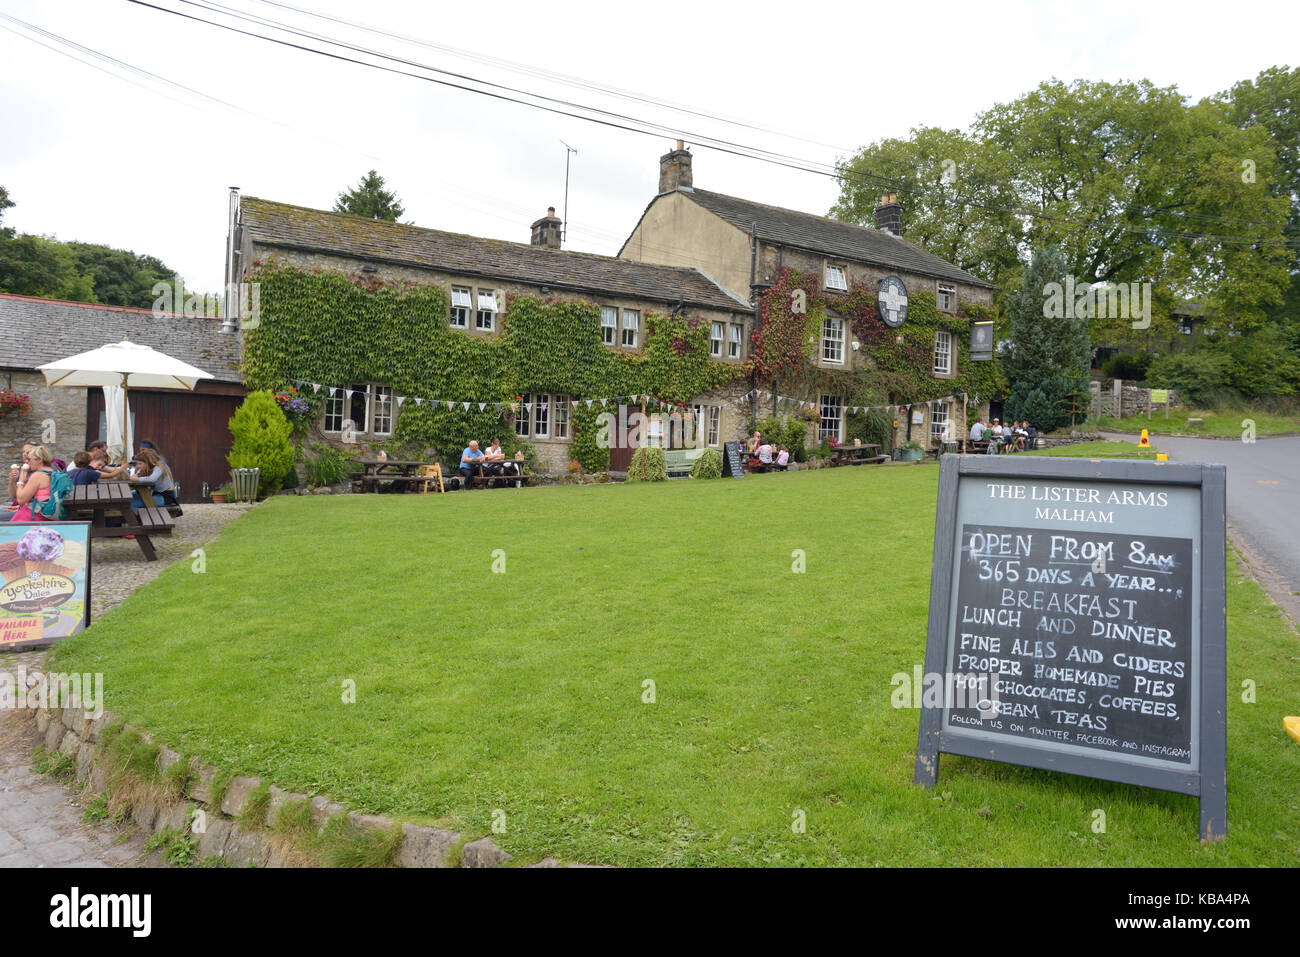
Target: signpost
1091, 596
44, 583
731, 467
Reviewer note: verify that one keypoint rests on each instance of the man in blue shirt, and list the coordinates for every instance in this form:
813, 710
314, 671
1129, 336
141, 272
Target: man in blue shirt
470, 459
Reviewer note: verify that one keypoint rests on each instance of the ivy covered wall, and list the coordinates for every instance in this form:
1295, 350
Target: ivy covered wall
327, 327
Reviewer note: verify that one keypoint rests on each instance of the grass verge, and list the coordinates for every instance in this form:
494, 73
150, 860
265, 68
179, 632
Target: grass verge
526, 690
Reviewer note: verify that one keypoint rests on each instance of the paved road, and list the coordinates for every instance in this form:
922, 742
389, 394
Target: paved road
1263, 496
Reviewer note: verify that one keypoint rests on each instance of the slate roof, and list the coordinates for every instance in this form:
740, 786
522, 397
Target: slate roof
789, 227
313, 230
36, 331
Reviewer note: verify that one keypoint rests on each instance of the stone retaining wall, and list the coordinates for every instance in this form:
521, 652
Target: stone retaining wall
225, 833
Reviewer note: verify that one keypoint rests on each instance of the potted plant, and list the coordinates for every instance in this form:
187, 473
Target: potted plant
221, 495
910, 451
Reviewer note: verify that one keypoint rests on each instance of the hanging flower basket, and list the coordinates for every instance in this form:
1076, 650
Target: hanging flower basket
14, 403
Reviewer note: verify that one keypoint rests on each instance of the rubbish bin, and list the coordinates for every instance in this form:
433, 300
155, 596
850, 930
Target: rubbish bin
243, 483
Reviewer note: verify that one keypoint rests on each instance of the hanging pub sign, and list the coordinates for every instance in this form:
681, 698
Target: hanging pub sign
1077, 623
45, 568
981, 340
891, 301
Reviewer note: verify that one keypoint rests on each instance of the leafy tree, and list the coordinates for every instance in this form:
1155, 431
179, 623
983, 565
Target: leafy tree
1131, 182
42, 266
1049, 356
369, 199
261, 441
121, 278
6, 232
956, 197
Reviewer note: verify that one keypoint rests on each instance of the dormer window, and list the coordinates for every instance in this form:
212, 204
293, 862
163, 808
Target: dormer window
835, 278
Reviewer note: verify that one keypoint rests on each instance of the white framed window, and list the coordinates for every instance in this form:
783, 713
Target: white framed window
655, 432
833, 339
561, 416
736, 334
383, 424
832, 423
485, 318
608, 324
947, 297
631, 323
524, 415
835, 278
713, 427
541, 416
715, 339
942, 353
359, 408
939, 413
334, 411
461, 304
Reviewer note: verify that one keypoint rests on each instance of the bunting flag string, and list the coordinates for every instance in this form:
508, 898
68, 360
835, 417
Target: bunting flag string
752, 398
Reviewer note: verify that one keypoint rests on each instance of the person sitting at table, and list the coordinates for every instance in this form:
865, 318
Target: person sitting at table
470, 460
82, 472
782, 457
977, 430
494, 458
18, 473
107, 471
751, 447
35, 487
150, 471
765, 454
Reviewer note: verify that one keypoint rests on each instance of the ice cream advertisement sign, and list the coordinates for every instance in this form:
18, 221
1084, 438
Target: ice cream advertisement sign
44, 582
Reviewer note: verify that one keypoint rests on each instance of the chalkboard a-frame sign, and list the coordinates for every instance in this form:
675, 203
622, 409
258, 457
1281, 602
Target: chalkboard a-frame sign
1091, 597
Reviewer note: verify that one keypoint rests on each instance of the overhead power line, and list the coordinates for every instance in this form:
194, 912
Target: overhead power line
461, 81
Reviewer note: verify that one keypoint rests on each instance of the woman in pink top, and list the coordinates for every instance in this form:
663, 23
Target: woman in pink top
36, 487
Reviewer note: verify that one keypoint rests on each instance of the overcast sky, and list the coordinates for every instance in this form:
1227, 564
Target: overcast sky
103, 155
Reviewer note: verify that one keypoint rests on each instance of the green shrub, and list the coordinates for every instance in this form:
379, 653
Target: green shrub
708, 465
1198, 377
328, 466
655, 468
261, 441
1128, 366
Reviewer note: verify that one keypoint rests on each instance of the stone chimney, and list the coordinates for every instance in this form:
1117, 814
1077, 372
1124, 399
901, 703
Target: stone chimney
675, 169
889, 215
546, 231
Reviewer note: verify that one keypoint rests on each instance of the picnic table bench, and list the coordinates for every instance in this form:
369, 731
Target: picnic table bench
104, 500
857, 454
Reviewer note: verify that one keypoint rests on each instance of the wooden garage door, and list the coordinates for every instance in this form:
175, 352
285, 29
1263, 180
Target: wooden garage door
190, 429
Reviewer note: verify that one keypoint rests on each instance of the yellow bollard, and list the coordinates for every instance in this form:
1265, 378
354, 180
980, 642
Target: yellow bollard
1161, 457
1145, 441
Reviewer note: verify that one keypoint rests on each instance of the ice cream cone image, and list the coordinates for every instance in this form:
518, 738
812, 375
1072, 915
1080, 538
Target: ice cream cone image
49, 568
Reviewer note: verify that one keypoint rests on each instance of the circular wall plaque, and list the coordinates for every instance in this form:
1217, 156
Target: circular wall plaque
891, 300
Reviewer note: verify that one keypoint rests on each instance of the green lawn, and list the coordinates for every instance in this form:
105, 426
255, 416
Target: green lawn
523, 691
1097, 450
1220, 422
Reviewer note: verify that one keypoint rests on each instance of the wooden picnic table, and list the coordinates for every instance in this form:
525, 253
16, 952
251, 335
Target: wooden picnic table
379, 472
855, 454
103, 500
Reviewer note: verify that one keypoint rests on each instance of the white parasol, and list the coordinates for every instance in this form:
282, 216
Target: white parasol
122, 365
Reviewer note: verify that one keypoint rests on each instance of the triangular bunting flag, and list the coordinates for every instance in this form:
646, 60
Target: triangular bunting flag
482, 406
450, 405
573, 403
464, 406
589, 401
418, 400
528, 407
315, 387
399, 399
